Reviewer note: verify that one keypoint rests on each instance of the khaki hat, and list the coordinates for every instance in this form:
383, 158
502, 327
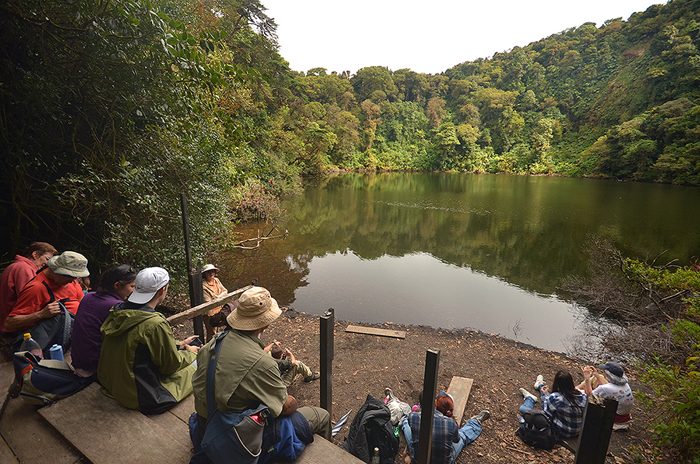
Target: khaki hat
256, 309
209, 267
69, 263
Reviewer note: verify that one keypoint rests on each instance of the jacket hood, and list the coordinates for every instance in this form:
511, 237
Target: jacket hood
121, 321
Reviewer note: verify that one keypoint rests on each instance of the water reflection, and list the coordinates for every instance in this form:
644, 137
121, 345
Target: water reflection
456, 250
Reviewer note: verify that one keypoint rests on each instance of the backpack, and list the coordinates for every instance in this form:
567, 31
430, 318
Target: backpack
371, 428
537, 431
46, 381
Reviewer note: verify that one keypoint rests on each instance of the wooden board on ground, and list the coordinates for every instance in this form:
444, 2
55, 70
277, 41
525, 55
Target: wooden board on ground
31, 438
7, 376
105, 432
321, 451
6, 454
374, 331
459, 388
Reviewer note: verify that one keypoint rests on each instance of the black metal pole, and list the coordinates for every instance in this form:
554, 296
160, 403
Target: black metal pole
326, 355
194, 279
425, 439
595, 436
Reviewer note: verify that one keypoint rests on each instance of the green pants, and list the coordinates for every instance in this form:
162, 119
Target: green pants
319, 420
299, 369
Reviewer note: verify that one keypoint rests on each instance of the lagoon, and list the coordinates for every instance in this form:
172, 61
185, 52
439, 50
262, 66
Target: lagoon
449, 250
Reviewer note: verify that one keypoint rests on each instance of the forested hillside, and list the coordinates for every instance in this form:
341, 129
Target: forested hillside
108, 110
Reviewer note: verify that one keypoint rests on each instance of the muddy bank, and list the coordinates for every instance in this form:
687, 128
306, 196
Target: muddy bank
366, 364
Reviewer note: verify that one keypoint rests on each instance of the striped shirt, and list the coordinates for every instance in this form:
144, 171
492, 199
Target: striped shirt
565, 417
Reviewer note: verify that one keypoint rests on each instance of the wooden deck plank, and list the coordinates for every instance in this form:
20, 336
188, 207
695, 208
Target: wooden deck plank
105, 432
31, 438
176, 429
459, 388
6, 454
322, 451
375, 331
184, 409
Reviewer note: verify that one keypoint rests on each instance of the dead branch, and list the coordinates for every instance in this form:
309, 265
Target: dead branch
258, 240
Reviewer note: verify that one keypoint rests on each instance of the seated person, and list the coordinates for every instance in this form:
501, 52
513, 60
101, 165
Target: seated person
38, 310
115, 286
564, 406
448, 438
141, 365
612, 384
290, 367
20, 272
213, 289
246, 377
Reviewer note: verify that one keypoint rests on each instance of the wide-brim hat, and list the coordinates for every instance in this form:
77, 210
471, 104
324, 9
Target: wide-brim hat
209, 267
69, 263
255, 310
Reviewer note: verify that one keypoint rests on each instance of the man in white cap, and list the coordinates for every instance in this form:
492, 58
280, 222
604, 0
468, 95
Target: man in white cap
141, 365
246, 375
44, 302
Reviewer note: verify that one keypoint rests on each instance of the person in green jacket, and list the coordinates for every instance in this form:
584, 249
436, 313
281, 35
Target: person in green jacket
141, 365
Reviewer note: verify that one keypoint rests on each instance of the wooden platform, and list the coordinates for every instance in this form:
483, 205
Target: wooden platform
105, 432
459, 388
375, 331
321, 451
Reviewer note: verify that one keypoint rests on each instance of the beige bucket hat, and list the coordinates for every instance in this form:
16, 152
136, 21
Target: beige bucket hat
255, 309
69, 263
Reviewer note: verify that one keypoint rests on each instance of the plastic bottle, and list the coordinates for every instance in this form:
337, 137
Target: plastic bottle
375, 456
29, 344
56, 352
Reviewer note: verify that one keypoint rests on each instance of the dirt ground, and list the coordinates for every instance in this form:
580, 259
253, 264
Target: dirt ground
365, 364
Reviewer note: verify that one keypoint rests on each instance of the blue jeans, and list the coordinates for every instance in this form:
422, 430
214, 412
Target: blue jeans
527, 406
467, 434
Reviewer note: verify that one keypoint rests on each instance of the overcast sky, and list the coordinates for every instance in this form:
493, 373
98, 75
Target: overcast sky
426, 36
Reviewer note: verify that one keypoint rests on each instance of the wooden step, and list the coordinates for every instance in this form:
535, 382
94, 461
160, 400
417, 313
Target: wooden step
105, 432
321, 451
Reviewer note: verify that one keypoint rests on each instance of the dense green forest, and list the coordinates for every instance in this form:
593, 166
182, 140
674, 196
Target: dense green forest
110, 109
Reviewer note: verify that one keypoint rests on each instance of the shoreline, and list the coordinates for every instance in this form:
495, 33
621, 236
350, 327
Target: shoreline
365, 364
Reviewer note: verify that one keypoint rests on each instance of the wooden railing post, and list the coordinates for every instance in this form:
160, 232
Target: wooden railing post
425, 440
595, 436
194, 278
326, 358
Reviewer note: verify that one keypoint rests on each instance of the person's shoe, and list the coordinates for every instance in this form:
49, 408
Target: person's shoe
482, 416
312, 377
527, 394
539, 382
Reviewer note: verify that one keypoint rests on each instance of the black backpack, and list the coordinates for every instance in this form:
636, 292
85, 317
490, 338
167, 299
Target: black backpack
371, 428
537, 431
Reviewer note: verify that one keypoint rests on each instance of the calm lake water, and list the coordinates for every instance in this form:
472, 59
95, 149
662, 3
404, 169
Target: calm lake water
487, 252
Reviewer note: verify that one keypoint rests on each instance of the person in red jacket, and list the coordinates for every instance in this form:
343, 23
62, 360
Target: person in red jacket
20, 272
40, 304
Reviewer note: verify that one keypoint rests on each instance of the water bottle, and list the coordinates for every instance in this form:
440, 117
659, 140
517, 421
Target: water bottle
375, 456
29, 344
56, 352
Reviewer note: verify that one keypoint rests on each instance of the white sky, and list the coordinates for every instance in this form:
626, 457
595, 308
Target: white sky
426, 36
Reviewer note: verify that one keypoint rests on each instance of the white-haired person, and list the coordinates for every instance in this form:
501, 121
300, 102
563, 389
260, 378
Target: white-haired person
612, 384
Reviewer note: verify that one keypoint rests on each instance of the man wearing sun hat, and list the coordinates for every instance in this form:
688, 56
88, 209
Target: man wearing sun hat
612, 384
141, 365
246, 375
44, 301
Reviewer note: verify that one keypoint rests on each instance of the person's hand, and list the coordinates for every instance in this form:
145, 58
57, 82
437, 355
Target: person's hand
544, 389
187, 341
587, 372
192, 348
50, 310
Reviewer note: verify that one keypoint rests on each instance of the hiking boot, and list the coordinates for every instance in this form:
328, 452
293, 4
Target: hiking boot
312, 377
539, 382
482, 416
527, 394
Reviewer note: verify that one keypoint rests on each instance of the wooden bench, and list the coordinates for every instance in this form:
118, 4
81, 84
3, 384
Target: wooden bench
322, 451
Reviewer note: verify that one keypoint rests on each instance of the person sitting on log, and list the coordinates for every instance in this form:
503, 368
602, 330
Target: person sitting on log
448, 438
290, 367
141, 365
213, 289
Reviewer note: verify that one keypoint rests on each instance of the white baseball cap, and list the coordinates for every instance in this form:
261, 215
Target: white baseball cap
148, 282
